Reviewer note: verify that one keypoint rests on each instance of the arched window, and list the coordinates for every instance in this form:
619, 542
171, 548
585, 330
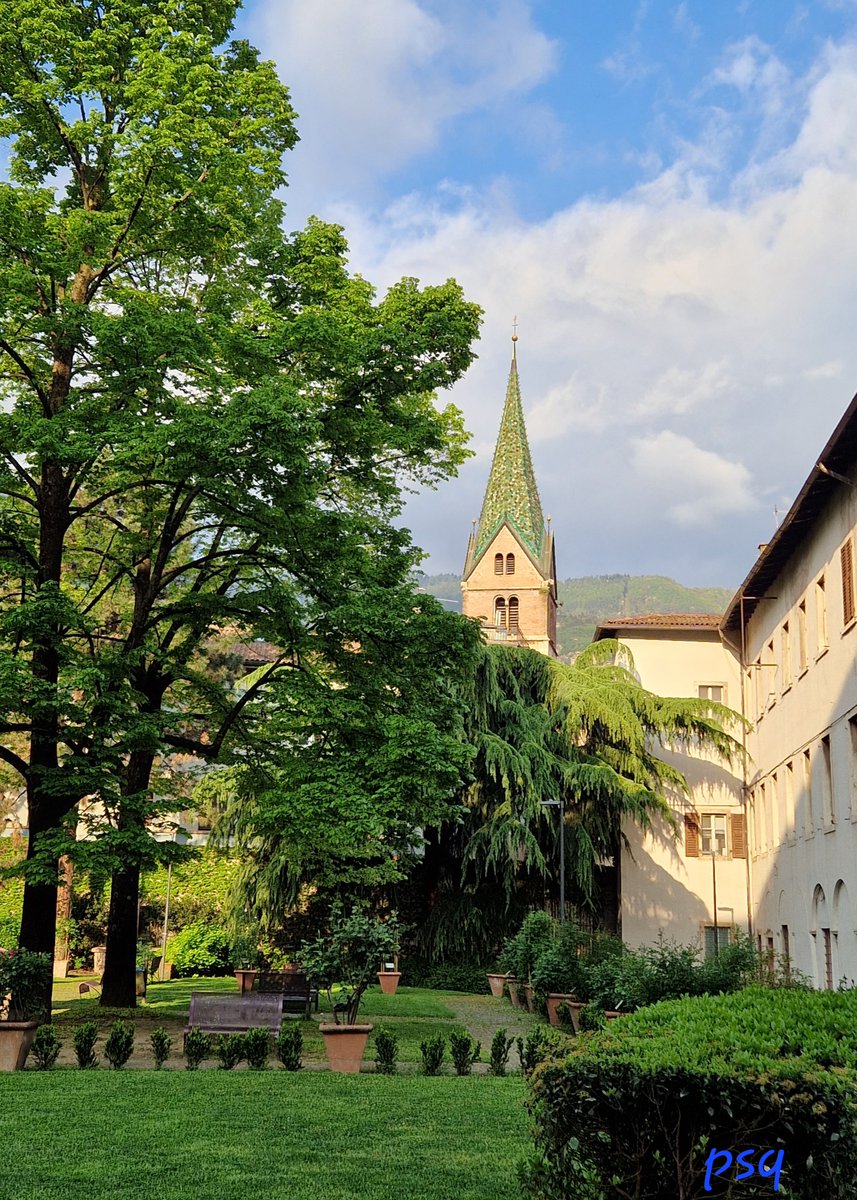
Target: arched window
513, 612
500, 614
510, 564
498, 564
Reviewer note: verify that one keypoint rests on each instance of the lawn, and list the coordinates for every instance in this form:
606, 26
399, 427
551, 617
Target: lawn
229, 1135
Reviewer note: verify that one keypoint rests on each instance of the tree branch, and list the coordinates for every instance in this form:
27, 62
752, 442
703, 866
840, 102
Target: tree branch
8, 756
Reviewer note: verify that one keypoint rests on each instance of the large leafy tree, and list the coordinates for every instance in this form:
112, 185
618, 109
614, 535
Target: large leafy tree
588, 734
206, 425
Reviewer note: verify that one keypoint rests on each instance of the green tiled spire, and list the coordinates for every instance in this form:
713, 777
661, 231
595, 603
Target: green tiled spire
511, 493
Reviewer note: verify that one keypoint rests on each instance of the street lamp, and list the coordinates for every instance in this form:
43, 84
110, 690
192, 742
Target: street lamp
560, 804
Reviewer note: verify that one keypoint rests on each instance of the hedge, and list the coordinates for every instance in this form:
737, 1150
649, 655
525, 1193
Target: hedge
636, 1110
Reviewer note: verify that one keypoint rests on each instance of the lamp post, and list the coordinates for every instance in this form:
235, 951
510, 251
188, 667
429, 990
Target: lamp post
560, 804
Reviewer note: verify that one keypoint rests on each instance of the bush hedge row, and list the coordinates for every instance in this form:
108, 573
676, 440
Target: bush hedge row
636, 1109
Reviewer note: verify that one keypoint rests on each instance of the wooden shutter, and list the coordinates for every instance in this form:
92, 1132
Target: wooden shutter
846, 560
691, 836
738, 834
498, 564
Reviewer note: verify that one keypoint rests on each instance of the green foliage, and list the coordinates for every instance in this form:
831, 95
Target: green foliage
465, 1052
501, 1044
289, 1045
203, 889
445, 976
432, 1051
161, 1044
45, 1048
24, 976
521, 952
120, 1044
636, 1107
200, 949
349, 955
386, 1052
12, 855
197, 1047
541, 1043
592, 1017
84, 1039
229, 1048
257, 1048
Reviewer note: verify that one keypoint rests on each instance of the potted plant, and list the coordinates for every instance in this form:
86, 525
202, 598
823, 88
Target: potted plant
348, 956
24, 978
389, 977
496, 982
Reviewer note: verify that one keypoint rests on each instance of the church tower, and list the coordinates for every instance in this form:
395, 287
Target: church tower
509, 580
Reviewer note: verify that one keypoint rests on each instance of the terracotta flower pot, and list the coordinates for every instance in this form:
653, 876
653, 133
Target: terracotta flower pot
389, 981
611, 1016
344, 1046
495, 982
246, 978
555, 999
16, 1038
512, 986
574, 1007
530, 997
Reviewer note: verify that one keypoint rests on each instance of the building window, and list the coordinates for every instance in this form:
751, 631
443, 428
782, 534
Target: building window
510, 564
809, 815
691, 836
852, 729
718, 939
776, 818
790, 801
820, 616
513, 612
500, 612
498, 564
827, 782
828, 959
786, 647
801, 636
846, 562
712, 829
713, 691
771, 674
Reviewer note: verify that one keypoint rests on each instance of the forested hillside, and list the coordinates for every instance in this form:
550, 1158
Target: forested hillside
594, 598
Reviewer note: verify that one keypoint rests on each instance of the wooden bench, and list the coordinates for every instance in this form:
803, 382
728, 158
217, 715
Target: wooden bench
291, 986
234, 1014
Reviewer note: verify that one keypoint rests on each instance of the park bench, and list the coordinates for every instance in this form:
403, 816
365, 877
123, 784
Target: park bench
234, 1014
291, 986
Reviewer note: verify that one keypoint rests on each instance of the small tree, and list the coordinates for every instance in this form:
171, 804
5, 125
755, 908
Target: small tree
349, 955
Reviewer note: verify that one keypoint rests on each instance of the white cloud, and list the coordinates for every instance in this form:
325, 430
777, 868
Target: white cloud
375, 83
679, 391
698, 486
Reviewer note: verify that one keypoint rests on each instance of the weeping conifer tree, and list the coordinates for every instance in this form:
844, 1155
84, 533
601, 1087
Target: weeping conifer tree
588, 733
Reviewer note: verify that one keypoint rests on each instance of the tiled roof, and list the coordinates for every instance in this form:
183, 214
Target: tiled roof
692, 621
512, 493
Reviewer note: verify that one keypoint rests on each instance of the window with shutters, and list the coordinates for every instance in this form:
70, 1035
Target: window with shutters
829, 805
716, 939
510, 564
846, 562
712, 830
713, 691
500, 618
738, 834
691, 836
498, 564
786, 952
513, 612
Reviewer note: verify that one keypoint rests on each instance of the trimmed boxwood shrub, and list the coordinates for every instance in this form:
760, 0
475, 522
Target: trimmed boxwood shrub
635, 1109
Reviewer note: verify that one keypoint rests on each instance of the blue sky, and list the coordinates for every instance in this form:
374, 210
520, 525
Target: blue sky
663, 191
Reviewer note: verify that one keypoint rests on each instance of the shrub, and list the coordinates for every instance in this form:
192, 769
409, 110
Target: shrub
386, 1052
289, 1045
445, 977
432, 1051
229, 1049
257, 1047
200, 949
541, 1043
45, 1048
521, 952
465, 1052
349, 955
84, 1039
637, 1108
500, 1047
161, 1045
120, 1044
197, 1047
25, 975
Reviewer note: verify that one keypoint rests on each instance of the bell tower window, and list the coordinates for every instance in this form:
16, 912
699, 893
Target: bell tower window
513, 612
500, 613
510, 564
498, 564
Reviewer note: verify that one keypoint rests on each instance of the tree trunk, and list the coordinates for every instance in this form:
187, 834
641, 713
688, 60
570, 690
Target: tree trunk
119, 986
62, 946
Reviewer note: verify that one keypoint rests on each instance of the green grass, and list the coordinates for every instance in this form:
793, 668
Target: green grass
178, 1136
